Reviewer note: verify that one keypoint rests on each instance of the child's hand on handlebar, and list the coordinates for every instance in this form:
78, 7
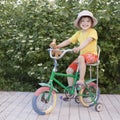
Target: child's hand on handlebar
76, 49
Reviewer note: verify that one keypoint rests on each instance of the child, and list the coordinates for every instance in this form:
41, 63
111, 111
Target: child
87, 37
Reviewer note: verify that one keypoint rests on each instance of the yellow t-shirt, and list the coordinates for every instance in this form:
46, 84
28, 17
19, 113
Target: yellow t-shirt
80, 37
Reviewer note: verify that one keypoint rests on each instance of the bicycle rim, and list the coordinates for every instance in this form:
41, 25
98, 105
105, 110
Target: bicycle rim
89, 95
40, 102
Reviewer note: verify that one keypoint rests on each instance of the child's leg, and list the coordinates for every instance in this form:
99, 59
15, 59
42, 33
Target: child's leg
82, 68
70, 70
82, 60
70, 79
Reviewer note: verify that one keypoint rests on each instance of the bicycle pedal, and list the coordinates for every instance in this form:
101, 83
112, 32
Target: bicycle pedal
64, 98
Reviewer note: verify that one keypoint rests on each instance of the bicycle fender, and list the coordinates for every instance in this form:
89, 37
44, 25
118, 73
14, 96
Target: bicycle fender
47, 85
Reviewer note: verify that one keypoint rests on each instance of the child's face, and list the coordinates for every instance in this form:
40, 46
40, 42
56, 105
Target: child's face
85, 23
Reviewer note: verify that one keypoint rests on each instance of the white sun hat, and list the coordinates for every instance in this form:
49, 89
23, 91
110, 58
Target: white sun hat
85, 13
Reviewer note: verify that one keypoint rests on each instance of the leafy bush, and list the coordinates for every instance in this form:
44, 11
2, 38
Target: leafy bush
27, 29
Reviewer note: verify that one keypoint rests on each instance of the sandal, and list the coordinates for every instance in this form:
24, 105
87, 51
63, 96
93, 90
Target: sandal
80, 84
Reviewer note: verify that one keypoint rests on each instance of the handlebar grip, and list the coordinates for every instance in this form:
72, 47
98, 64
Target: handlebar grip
62, 54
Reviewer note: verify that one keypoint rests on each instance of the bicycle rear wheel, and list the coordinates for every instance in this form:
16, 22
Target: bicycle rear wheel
42, 103
89, 95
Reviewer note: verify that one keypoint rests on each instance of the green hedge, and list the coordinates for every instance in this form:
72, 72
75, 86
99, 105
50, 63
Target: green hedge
27, 29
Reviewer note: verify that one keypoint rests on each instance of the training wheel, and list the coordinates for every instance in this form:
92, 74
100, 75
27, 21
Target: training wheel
99, 107
77, 99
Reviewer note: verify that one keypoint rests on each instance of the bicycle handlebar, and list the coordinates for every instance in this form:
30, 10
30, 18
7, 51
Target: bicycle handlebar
63, 52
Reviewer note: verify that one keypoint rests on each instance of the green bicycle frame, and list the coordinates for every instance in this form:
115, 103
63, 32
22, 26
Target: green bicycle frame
66, 88
53, 79
55, 74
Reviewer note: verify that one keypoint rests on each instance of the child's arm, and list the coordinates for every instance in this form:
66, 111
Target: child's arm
86, 42
64, 43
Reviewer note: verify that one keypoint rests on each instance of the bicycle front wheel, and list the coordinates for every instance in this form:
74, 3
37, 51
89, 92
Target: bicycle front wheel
42, 102
89, 95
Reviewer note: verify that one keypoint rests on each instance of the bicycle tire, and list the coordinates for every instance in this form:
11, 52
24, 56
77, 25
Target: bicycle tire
89, 95
39, 102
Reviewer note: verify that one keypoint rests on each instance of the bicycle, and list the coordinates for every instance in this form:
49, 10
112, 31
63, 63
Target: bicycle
45, 97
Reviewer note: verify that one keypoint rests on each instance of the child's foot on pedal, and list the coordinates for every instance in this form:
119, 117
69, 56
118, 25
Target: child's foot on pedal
80, 83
